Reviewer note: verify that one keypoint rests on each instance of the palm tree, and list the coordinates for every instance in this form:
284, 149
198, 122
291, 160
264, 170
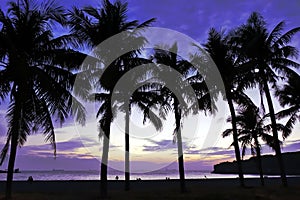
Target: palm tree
250, 128
91, 26
177, 99
219, 48
144, 98
268, 55
289, 96
36, 75
171, 101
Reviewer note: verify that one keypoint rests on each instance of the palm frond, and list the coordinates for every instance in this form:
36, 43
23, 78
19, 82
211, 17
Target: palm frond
276, 33
286, 38
5, 149
227, 133
289, 125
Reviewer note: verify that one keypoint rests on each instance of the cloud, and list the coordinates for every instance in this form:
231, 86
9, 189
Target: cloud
163, 145
211, 154
66, 149
61, 146
191, 153
29, 162
194, 18
292, 146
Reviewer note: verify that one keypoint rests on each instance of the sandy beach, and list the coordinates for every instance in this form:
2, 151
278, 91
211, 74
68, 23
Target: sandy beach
157, 189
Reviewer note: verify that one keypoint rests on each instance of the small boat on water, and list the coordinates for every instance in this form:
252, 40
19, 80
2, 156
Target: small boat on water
58, 170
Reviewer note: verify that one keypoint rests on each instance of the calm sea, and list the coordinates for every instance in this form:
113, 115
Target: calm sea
94, 175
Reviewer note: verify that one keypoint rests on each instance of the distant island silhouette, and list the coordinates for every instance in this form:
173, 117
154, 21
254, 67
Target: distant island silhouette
15, 171
269, 164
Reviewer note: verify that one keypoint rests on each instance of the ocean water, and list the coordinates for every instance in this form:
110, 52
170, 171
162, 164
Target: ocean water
94, 175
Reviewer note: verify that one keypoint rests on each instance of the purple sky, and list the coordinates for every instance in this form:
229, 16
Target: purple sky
193, 18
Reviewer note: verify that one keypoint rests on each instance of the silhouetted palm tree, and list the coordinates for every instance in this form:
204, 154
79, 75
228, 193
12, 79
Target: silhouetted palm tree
220, 50
268, 55
176, 98
251, 127
289, 96
91, 26
172, 102
36, 75
145, 98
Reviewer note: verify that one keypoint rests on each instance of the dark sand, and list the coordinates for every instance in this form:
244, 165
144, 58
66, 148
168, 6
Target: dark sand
157, 189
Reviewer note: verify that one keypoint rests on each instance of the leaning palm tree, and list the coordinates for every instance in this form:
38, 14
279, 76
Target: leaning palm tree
251, 127
219, 48
289, 96
269, 55
35, 75
91, 26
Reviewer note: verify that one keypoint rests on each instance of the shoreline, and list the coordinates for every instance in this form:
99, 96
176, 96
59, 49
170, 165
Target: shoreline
83, 186
212, 189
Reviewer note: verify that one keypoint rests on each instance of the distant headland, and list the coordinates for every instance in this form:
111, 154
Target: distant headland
269, 164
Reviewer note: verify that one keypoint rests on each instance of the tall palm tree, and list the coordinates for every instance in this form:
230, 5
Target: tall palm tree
91, 26
251, 127
35, 75
289, 96
219, 48
171, 101
269, 55
177, 99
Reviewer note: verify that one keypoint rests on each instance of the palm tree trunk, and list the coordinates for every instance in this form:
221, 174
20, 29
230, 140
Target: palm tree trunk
235, 140
104, 160
127, 167
179, 146
259, 161
181, 162
104, 163
14, 144
11, 165
275, 133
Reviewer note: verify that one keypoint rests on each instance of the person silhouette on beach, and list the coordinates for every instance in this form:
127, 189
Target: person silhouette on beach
30, 179
117, 177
